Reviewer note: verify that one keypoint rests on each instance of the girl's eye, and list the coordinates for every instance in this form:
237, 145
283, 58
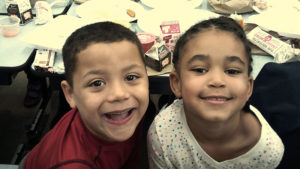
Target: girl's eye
232, 71
199, 70
97, 83
131, 77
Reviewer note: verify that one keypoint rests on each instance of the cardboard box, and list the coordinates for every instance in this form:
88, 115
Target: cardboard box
170, 33
20, 8
158, 57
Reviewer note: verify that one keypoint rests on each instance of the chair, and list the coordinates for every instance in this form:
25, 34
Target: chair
276, 94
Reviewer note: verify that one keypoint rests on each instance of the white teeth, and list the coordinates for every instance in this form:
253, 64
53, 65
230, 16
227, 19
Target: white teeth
117, 116
217, 99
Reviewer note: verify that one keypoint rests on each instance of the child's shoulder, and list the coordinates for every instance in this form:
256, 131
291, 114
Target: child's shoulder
170, 116
268, 138
170, 112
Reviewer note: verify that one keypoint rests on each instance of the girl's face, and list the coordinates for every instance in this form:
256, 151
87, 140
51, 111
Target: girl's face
212, 76
110, 89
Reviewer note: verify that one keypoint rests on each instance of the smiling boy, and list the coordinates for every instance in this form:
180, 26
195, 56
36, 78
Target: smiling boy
107, 87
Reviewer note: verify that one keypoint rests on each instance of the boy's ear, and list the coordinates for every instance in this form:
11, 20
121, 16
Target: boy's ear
175, 84
68, 92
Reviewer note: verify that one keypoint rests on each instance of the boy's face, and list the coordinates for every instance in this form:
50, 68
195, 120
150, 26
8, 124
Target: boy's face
213, 76
110, 89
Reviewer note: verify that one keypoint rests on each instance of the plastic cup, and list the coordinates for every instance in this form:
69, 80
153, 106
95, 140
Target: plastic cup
10, 26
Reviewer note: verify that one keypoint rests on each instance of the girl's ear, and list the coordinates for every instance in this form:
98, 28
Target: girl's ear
250, 86
175, 84
68, 92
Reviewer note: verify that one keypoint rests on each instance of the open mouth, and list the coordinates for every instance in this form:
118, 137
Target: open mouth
119, 118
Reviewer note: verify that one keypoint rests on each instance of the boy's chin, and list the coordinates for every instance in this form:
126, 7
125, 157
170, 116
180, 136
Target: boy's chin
122, 136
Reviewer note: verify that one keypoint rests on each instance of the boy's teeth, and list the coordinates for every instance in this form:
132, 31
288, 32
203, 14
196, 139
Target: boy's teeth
117, 116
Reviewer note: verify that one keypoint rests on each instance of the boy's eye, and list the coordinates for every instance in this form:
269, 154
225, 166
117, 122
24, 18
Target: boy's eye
232, 71
131, 77
199, 70
97, 83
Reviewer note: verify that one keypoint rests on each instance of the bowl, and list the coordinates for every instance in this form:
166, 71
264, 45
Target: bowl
147, 40
10, 26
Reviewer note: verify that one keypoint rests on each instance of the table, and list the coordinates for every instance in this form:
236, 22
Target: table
16, 55
56, 10
258, 60
8, 166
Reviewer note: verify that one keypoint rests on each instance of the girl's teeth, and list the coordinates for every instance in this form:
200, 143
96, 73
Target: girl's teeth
217, 99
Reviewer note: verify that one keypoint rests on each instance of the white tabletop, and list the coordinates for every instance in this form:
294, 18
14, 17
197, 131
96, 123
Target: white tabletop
258, 60
22, 51
56, 10
8, 166
13, 51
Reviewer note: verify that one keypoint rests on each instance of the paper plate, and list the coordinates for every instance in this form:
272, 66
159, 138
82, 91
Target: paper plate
151, 20
109, 10
171, 3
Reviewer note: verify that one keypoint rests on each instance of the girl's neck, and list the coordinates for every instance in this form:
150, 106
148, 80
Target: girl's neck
214, 132
229, 139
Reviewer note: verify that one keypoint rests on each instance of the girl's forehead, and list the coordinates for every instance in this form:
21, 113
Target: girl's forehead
213, 31
211, 34
214, 42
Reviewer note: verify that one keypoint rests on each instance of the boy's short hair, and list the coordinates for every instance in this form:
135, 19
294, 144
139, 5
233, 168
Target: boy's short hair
105, 32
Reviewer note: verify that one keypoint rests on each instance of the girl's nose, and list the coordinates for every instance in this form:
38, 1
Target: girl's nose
217, 79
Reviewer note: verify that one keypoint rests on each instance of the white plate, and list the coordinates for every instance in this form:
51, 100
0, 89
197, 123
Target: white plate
109, 10
172, 3
151, 20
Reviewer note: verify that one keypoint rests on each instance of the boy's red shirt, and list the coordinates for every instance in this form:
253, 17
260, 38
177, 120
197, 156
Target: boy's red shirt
70, 145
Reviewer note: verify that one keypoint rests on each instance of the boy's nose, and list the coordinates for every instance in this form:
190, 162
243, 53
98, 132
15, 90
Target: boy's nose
118, 92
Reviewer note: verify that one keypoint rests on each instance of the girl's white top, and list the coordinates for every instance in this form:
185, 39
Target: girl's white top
171, 144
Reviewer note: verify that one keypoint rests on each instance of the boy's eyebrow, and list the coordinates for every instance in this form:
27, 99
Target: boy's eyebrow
235, 59
198, 57
132, 66
93, 72
98, 72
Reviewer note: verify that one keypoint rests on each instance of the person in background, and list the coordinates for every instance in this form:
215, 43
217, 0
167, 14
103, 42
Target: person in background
36, 88
210, 124
107, 88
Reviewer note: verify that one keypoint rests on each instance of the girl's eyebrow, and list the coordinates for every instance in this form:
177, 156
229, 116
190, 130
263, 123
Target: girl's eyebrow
198, 57
231, 59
